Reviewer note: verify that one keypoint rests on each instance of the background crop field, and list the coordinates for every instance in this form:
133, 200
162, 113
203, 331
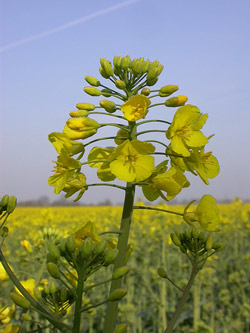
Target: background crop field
219, 300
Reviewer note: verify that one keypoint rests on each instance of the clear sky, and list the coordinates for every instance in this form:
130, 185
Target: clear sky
47, 47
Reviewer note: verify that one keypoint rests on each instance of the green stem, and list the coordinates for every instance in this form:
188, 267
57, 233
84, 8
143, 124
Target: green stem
106, 184
107, 114
151, 131
161, 143
112, 309
182, 299
105, 138
158, 209
124, 127
153, 121
78, 303
38, 307
93, 306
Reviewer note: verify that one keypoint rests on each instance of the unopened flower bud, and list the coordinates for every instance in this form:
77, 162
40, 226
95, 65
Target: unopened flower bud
62, 246
107, 67
86, 248
92, 81
106, 92
79, 113
117, 294
159, 69
70, 244
175, 239
145, 66
162, 273
168, 90
125, 63
109, 106
4, 232
52, 288
115, 59
136, 67
195, 233
153, 64
53, 251
188, 234
120, 84
4, 201
120, 272
92, 91
103, 73
209, 243
152, 74
20, 300
176, 101
218, 246
53, 270
85, 106
63, 295
26, 317
37, 293
120, 328
11, 205
100, 248
145, 91
110, 256
152, 81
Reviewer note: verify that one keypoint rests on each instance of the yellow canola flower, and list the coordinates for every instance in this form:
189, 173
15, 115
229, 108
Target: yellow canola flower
172, 182
63, 145
135, 108
11, 328
26, 244
88, 230
80, 128
206, 214
184, 132
102, 154
3, 275
131, 161
29, 285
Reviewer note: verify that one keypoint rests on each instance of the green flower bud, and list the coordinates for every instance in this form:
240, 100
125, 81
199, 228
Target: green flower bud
136, 67
120, 84
120, 328
107, 67
145, 91
51, 259
125, 63
53, 270
195, 233
62, 246
168, 90
70, 244
117, 294
46, 290
52, 288
103, 73
37, 293
209, 243
152, 74
26, 317
176, 101
100, 248
53, 251
106, 93
79, 113
202, 236
85, 106
4, 201
152, 81
120, 272
115, 59
20, 300
159, 69
4, 232
109, 106
63, 295
92, 81
92, 91
119, 62
162, 273
218, 246
145, 66
86, 248
188, 234
175, 239
11, 205
153, 64
110, 256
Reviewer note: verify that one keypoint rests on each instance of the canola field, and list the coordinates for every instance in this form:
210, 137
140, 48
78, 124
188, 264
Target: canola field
219, 301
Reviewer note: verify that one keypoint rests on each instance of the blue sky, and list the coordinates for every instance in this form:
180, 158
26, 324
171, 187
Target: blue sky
47, 48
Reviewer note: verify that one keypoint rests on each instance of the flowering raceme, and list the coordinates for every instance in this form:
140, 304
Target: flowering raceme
135, 108
184, 132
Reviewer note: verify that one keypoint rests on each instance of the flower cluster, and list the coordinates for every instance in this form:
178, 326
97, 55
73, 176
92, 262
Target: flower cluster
130, 159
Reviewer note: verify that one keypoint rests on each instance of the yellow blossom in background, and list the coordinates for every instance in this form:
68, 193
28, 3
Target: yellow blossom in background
6, 314
135, 108
26, 244
184, 132
3, 275
131, 161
